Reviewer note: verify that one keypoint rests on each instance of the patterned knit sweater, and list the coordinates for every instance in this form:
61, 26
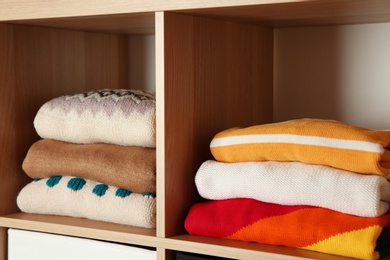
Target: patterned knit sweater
123, 117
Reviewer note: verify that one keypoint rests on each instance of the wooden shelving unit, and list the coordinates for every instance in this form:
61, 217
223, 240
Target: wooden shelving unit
214, 70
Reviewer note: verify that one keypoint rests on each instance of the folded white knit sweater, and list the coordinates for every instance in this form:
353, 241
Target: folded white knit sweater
77, 197
123, 117
295, 183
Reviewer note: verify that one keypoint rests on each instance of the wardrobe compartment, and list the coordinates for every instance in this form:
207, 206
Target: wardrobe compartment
248, 71
44, 59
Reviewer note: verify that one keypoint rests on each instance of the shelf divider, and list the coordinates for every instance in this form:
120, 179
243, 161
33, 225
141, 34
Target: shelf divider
217, 75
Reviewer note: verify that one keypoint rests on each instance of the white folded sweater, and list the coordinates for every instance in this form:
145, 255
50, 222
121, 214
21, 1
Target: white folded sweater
123, 117
295, 183
77, 197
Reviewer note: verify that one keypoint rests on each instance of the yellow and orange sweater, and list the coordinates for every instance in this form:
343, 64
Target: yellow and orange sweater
312, 141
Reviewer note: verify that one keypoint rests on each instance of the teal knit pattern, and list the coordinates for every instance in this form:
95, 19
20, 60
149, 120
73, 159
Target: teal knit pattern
122, 193
76, 184
99, 190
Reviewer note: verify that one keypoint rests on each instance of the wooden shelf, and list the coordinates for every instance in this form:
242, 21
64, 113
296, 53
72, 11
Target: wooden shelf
147, 237
137, 17
138, 23
81, 228
241, 250
303, 13
11, 10
105, 231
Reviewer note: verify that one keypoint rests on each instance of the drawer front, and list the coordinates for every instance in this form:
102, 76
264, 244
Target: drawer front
41, 246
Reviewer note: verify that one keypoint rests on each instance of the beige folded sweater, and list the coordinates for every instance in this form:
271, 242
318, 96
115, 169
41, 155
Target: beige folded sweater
129, 167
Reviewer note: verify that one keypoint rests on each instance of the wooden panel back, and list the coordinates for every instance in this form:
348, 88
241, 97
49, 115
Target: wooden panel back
217, 75
36, 65
7, 136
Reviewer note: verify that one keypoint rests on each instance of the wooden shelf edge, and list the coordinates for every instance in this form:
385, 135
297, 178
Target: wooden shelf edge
135, 23
86, 228
118, 17
81, 228
11, 10
240, 249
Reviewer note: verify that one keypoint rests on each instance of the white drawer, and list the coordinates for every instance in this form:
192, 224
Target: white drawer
31, 245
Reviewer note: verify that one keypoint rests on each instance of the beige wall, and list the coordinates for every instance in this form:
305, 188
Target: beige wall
142, 62
337, 72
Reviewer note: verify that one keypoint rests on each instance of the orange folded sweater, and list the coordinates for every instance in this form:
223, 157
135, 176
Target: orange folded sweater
313, 141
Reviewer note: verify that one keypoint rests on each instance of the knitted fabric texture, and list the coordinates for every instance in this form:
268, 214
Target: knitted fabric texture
305, 227
312, 141
77, 197
129, 167
123, 117
295, 183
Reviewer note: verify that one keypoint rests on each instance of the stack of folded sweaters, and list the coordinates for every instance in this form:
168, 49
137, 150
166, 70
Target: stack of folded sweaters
96, 158
315, 184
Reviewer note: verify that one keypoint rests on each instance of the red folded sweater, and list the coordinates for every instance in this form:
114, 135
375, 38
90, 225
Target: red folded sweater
306, 227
